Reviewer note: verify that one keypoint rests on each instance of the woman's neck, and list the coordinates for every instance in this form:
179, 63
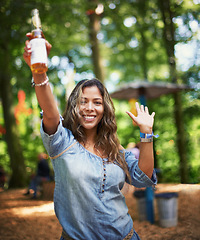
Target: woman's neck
90, 142
90, 137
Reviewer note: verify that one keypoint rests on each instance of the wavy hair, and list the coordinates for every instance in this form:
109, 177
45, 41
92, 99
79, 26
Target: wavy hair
106, 138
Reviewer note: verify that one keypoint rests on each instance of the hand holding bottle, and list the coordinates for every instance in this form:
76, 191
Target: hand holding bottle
28, 51
36, 50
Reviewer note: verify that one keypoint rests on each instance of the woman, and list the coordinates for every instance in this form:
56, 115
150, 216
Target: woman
90, 165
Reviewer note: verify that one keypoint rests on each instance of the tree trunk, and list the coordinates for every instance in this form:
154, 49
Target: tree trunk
169, 38
94, 27
181, 138
18, 176
144, 44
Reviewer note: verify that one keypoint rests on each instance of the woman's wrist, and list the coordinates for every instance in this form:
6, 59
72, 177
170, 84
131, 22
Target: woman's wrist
145, 129
39, 78
147, 137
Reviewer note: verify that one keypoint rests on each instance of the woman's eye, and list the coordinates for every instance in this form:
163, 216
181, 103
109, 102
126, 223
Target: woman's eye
98, 103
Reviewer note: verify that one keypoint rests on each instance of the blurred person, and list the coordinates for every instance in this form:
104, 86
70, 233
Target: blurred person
134, 148
90, 165
42, 175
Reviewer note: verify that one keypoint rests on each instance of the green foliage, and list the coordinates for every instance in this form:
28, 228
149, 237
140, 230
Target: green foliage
130, 51
165, 145
126, 131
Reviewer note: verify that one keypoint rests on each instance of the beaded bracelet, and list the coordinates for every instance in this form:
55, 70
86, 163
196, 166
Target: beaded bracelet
45, 82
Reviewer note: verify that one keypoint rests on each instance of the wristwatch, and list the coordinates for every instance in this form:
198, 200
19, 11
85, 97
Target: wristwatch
145, 137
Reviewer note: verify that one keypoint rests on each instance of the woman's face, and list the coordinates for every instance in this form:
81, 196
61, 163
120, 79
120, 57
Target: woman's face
91, 108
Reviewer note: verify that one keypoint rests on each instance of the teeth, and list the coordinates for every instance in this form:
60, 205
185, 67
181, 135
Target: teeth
89, 117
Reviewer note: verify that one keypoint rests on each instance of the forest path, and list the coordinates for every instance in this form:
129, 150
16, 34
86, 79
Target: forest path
22, 218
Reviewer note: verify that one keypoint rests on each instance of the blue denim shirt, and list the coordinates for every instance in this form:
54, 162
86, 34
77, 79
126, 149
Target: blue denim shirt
87, 197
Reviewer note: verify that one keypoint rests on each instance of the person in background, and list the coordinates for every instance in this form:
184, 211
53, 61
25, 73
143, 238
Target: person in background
89, 163
42, 175
134, 148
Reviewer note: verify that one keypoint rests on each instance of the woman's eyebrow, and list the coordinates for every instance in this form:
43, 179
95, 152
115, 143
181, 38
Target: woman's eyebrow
97, 98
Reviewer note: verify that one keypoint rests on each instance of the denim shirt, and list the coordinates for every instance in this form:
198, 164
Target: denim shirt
87, 198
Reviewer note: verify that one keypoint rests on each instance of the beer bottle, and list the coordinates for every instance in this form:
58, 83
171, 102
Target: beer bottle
38, 47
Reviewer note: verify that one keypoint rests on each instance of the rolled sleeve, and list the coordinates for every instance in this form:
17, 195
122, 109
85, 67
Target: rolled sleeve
57, 142
138, 177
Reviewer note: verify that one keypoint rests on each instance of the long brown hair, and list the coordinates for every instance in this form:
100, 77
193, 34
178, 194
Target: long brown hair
107, 129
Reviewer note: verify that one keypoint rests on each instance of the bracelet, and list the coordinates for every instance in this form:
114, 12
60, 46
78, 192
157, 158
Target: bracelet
145, 137
45, 82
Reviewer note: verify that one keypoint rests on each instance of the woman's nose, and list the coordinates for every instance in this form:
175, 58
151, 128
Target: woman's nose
90, 106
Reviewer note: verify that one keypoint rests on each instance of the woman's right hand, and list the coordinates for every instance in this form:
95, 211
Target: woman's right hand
27, 49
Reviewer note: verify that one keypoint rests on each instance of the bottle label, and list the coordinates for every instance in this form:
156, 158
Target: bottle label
39, 52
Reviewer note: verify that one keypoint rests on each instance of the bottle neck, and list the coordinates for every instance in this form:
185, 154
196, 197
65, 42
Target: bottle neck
37, 33
36, 25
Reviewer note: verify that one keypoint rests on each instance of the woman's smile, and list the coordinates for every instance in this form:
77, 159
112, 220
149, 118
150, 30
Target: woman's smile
89, 118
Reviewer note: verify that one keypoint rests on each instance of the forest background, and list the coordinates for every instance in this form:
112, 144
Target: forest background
118, 42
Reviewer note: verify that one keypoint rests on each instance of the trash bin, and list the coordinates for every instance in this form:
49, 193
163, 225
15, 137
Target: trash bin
167, 209
141, 205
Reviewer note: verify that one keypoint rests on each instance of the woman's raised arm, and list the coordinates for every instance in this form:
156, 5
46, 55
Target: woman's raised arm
145, 122
44, 94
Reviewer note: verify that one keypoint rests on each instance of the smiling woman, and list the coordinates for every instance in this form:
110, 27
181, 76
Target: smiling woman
90, 116
90, 165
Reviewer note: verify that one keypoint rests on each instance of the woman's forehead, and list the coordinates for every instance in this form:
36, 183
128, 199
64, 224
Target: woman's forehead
91, 92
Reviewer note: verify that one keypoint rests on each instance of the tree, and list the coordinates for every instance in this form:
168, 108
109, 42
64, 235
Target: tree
169, 39
94, 12
16, 18
12, 137
130, 43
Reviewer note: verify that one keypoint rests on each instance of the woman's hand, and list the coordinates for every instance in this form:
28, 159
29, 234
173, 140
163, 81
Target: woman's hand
144, 120
27, 49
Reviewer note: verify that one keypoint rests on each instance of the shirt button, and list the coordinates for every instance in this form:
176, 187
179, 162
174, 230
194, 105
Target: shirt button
104, 179
102, 190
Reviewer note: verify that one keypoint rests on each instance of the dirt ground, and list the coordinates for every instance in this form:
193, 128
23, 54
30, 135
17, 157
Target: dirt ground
22, 218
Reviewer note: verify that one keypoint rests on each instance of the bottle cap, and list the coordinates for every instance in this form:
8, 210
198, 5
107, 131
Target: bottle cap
35, 18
